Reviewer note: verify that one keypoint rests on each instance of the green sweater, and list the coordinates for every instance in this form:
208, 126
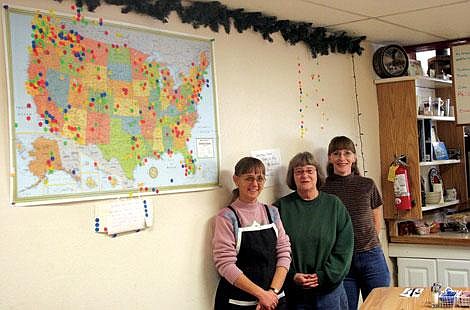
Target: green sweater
321, 236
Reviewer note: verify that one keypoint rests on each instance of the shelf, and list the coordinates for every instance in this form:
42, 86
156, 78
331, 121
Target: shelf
440, 238
421, 81
439, 162
397, 99
430, 207
437, 118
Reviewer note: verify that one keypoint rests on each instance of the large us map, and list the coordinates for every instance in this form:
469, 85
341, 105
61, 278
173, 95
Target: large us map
100, 109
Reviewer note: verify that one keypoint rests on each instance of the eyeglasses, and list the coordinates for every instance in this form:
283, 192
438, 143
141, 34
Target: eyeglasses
344, 153
308, 170
251, 178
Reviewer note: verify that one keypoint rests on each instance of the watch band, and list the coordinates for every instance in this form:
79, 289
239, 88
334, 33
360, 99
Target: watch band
275, 290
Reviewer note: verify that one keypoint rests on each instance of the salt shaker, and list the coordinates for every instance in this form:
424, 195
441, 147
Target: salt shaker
435, 289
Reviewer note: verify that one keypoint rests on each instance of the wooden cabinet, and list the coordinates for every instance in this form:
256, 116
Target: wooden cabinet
399, 119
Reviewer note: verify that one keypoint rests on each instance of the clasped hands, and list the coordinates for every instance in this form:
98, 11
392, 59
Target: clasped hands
267, 301
306, 280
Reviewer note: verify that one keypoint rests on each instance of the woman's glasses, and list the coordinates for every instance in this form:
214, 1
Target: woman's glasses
251, 178
344, 153
308, 170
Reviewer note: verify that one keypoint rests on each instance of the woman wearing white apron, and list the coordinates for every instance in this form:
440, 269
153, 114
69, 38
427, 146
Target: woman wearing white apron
250, 248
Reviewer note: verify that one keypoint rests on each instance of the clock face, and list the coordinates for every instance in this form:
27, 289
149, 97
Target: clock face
391, 61
395, 60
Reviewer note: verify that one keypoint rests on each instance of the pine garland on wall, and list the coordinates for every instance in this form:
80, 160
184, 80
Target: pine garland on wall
214, 15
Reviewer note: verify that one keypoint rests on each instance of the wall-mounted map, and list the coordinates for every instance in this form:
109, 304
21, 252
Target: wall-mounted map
100, 109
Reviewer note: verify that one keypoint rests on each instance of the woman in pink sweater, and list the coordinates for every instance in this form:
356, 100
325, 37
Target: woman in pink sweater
250, 248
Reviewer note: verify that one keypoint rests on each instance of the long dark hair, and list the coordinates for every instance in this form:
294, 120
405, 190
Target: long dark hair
341, 143
302, 159
247, 165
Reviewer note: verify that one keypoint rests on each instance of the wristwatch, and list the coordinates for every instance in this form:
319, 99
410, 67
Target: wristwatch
275, 290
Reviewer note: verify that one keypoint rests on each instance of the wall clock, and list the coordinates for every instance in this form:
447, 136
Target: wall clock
390, 61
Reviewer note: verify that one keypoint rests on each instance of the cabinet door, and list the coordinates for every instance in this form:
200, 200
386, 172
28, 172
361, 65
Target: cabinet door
416, 272
453, 273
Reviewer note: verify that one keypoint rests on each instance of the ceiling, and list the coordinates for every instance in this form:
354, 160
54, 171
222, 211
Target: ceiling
405, 22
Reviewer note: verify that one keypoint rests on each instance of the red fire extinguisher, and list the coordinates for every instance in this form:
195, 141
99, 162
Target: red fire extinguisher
401, 186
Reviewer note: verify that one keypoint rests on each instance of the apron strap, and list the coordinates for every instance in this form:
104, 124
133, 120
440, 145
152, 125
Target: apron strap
268, 214
236, 216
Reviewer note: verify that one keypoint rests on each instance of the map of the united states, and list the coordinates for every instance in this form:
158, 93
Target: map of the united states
112, 96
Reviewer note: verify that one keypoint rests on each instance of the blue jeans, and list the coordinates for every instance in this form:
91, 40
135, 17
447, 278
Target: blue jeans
335, 300
368, 271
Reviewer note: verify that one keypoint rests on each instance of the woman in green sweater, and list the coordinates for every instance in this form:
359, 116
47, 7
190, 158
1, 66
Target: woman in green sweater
321, 236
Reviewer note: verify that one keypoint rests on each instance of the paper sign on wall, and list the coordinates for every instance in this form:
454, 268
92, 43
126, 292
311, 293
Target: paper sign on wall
123, 215
272, 162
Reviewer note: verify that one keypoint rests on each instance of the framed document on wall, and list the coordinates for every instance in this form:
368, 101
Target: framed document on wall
461, 82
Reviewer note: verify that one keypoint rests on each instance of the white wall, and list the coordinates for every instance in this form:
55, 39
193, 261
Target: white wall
50, 258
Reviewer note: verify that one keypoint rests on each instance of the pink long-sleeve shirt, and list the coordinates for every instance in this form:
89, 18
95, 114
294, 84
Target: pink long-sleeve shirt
224, 242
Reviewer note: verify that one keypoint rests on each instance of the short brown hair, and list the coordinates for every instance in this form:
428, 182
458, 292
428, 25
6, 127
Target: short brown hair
302, 159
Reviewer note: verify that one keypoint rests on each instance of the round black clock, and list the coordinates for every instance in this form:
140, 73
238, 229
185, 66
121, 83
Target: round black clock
390, 61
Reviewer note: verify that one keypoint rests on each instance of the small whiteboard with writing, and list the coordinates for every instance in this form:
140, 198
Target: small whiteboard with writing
123, 215
461, 80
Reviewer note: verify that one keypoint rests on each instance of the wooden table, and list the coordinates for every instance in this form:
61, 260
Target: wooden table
388, 298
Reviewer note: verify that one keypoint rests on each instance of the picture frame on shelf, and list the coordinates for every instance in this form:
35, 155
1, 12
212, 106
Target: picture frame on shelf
440, 151
414, 68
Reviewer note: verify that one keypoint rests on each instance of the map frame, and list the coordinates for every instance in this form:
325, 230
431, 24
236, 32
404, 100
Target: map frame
15, 164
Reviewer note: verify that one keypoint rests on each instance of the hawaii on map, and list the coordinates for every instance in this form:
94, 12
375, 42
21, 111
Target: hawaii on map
100, 109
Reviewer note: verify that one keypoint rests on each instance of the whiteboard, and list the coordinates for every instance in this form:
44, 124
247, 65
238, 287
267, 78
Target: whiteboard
461, 77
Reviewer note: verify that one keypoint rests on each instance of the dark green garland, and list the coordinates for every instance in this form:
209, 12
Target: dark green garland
214, 14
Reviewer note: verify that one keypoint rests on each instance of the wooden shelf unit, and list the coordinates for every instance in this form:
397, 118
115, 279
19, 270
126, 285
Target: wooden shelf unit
398, 117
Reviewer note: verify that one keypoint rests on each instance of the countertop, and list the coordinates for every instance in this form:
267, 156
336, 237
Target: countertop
440, 238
